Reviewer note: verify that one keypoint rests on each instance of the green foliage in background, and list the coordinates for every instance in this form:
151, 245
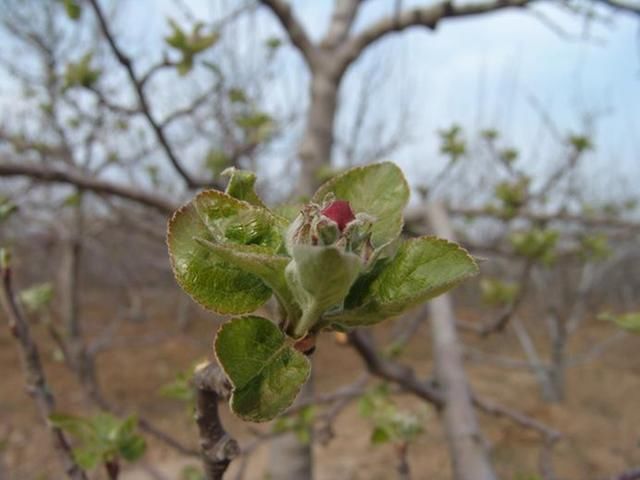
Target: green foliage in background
189, 44
496, 292
81, 73
101, 438
391, 424
536, 244
37, 297
301, 424
629, 321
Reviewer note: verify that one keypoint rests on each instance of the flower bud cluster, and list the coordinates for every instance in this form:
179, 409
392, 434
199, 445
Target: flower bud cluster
333, 223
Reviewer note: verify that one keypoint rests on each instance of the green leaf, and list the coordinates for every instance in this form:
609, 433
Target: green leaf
242, 186
37, 297
87, 458
191, 472
73, 9
268, 267
496, 292
628, 321
320, 278
81, 73
179, 388
178, 38
537, 244
265, 372
380, 435
218, 218
423, 268
132, 447
379, 189
76, 426
237, 95
7, 208
453, 144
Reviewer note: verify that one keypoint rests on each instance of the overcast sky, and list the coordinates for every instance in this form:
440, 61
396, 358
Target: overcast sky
485, 71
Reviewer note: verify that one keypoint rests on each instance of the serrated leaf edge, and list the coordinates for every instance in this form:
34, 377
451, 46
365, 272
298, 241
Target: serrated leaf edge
180, 210
233, 389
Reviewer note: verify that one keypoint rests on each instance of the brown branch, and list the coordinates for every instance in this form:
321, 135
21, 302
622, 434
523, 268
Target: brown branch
491, 408
346, 392
427, 16
405, 377
548, 435
37, 385
392, 371
292, 26
86, 183
344, 13
217, 447
138, 86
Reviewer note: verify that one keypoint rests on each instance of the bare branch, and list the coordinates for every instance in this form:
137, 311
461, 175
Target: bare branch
54, 175
392, 371
292, 26
217, 447
490, 408
37, 385
502, 320
344, 13
138, 85
428, 16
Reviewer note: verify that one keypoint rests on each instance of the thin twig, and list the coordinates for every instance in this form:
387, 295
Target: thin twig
217, 447
37, 385
138, 86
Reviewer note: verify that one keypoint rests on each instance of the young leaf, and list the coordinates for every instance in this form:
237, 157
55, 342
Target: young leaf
37, 297
219, 218
628, 321
379, 190
268, 267
77, 426
320, 278
242, 186
423, 268
73, 9
265, 372
87, 458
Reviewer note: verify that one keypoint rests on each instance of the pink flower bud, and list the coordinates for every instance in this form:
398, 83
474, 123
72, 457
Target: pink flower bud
340, 212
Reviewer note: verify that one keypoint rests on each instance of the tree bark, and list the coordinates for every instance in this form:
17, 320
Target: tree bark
317, 141
216, 446
470, 460
81, 361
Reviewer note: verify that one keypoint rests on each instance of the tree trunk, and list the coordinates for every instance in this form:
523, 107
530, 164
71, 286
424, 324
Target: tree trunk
317, 141
81, 361
469, 459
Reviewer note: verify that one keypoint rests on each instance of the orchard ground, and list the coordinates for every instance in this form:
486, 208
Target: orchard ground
600, 417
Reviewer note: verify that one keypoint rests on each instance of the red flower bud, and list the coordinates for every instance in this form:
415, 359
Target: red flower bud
340, 212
